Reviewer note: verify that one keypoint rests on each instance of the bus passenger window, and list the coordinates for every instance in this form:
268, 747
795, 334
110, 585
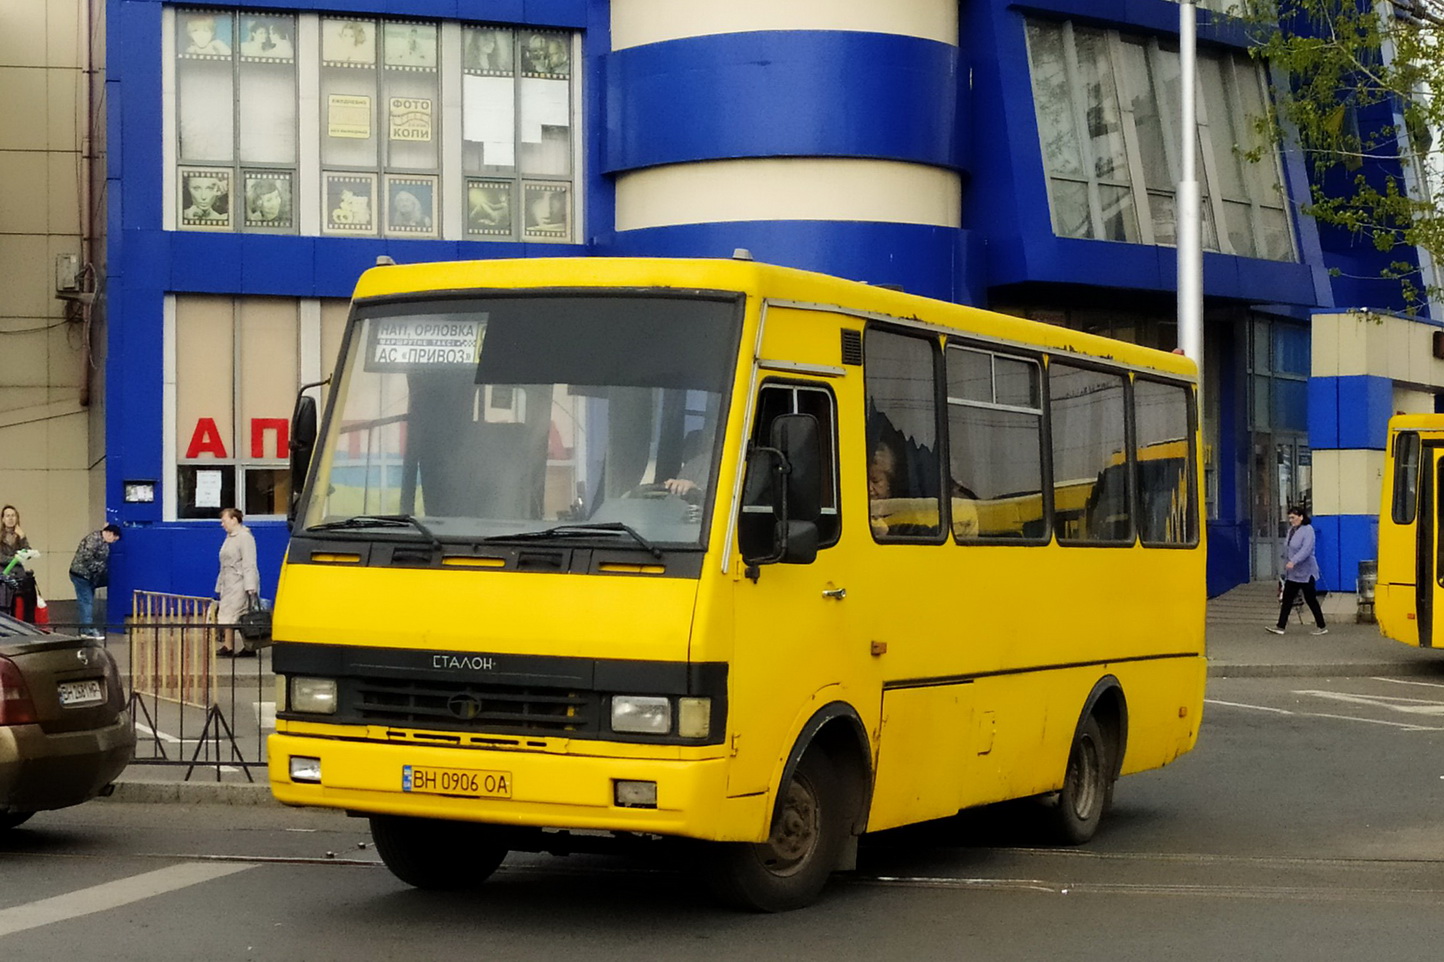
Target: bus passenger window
1165, 464
1406, 477
1090, 458
995, 446
903, 474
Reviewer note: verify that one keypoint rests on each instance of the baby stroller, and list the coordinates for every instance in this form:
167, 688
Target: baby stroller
18, 595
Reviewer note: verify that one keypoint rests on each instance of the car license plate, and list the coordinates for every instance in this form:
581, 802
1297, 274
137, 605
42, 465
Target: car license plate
468, 782
73, 694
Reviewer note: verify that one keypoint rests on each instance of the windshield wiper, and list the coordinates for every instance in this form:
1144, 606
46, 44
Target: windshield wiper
580, 530
379, 521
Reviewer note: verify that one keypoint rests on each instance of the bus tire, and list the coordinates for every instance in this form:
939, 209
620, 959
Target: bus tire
790, 869
1087, 785
436, 854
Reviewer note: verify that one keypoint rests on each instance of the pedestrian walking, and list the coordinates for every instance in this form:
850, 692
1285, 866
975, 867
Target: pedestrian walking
239, 581
90, 570
1301, 570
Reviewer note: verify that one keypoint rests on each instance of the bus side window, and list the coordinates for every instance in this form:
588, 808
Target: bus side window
1090, 456
1164, 452
755, 524
903, 473
1406, 477
995, 445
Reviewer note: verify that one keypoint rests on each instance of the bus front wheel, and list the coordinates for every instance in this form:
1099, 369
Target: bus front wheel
790, 869
1087, 785
431, 853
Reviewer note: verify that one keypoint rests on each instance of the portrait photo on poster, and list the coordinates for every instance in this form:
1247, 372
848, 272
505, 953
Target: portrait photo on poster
204, 35
488, 208
488, 51
546, 55
348, 43
204, 195
268, 199
410, 46
268, 38
411, 206
350, 200
547, 211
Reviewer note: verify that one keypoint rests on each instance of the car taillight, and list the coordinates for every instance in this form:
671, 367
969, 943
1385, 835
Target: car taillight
16, 707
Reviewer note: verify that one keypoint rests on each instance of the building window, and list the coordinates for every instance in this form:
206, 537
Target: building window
1107, 106
237, 367
361, 127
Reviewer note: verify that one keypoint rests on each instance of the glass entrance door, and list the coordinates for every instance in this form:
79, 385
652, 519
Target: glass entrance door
1282, 475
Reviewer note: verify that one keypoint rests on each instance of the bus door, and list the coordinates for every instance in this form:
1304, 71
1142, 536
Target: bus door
791, 619
1428, 590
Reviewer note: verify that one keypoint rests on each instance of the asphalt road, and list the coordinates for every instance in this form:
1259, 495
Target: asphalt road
1305, 826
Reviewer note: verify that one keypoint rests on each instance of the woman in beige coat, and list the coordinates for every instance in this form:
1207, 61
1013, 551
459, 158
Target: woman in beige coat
239, 580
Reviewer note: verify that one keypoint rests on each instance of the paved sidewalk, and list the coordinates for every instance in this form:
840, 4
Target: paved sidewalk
1238, 647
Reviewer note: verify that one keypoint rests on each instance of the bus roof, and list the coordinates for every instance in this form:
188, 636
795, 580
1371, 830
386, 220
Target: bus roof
755, 280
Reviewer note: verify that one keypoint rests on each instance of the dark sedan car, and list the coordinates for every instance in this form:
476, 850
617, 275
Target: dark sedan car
64, 731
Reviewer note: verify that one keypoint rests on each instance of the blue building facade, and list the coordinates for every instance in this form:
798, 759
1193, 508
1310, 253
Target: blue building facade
924, 144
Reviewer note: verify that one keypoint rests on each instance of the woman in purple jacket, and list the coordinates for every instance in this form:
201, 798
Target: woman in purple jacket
1301, 569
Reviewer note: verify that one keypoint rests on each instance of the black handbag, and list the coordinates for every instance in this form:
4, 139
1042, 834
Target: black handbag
254, 624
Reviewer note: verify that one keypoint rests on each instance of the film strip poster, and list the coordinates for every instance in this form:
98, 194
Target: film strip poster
350, 203
203, 35
546, 54
411, 206
348, 43
269, 200
489, 208
268, 39
487, 52
205, 198
547, 211
409, 46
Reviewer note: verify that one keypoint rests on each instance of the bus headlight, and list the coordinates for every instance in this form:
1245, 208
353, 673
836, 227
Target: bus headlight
315, 696
641, 714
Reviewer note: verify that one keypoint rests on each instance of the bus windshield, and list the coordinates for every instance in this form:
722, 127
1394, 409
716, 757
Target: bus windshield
528, 416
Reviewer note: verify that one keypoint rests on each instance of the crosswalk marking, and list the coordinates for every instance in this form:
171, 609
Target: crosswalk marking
99, 898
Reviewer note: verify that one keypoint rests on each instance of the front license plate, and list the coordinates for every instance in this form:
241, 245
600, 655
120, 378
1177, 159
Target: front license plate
73, 694
467, 782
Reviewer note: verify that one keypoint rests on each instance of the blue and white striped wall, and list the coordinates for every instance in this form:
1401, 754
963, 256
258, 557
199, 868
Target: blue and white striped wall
821, 134
1366, 367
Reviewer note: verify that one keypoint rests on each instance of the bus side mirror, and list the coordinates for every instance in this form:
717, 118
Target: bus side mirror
303, 445
783, 486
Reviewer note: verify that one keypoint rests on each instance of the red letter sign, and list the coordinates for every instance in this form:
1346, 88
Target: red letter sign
206, 440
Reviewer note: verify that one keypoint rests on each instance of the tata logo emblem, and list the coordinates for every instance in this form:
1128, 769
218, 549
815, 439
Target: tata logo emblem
464, 706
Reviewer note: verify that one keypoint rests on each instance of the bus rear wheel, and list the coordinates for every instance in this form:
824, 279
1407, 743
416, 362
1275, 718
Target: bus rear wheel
435, 854
790, 869
1087, 785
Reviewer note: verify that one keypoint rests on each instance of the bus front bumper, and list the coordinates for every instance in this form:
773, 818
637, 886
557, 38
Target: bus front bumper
513, 788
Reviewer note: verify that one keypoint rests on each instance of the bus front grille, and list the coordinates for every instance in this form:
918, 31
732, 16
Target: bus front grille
496, 708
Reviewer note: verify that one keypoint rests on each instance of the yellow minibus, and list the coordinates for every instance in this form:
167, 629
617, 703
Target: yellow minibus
727, 552
1409, 585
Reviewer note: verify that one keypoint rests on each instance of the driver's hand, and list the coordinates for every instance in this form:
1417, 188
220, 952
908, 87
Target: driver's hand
679, 486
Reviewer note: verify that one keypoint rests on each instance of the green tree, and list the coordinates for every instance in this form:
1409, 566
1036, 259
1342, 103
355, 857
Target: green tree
1356, 90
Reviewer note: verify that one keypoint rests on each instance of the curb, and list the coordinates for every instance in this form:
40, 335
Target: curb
1323, 670
193, 793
